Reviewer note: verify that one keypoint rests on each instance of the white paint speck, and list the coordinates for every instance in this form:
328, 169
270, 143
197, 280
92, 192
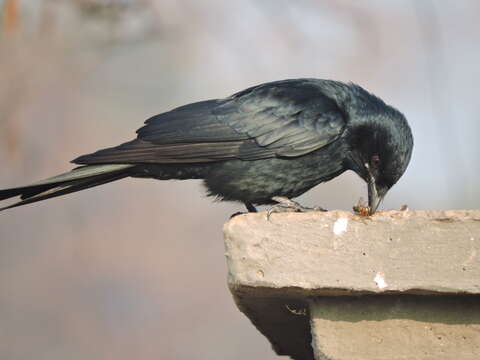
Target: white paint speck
340, 226
380, 281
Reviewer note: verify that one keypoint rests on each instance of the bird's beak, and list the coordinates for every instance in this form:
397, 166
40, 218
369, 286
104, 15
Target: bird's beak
375, 195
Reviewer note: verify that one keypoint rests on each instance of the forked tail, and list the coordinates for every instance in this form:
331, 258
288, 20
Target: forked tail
80, 178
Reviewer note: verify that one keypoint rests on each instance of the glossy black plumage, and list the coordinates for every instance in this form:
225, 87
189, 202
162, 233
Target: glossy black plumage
275, 139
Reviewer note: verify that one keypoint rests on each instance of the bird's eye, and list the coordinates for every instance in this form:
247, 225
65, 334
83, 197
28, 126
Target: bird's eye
375, 161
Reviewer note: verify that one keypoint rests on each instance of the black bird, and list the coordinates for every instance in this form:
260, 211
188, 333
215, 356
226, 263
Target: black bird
275, 140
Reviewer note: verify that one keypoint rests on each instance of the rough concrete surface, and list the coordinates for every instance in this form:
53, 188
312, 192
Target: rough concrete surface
312, 268
337, 252
396, 327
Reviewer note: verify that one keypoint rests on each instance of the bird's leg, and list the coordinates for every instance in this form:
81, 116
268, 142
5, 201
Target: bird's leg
286, 205
250, 207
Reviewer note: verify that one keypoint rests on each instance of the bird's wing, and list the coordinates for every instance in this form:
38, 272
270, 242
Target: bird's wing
290, 117
281, 119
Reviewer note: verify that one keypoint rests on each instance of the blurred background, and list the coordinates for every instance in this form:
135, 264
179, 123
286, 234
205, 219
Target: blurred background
136, 269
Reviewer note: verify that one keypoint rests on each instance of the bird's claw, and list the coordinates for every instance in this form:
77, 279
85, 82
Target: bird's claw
236, 214
286, 205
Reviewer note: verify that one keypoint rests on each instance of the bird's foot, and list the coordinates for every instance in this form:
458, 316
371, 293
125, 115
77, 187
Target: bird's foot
286, 205
237, 213
250, 208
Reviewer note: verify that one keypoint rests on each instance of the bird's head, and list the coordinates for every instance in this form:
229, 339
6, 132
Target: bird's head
380, 149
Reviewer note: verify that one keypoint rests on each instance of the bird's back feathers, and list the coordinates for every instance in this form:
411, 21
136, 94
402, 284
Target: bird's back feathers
276, 119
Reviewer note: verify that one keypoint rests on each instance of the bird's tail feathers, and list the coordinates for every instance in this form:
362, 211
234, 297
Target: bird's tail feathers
80, 178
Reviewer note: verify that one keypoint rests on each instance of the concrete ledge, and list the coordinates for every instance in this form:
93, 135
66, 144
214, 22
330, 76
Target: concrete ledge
336, 252
280, 272
396, 327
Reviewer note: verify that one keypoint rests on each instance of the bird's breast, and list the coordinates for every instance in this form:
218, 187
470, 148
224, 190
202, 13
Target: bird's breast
258, 181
